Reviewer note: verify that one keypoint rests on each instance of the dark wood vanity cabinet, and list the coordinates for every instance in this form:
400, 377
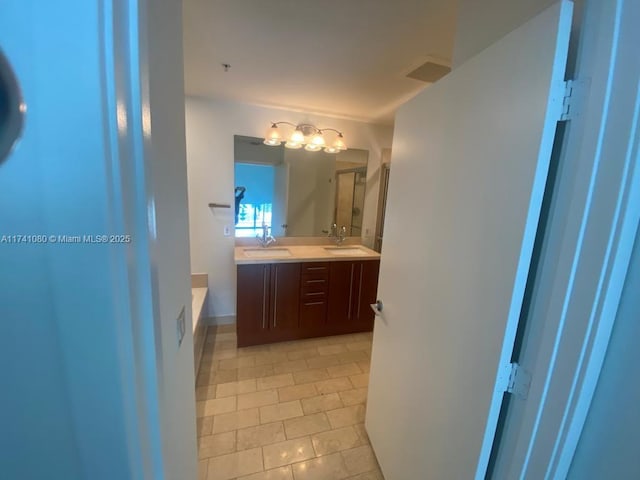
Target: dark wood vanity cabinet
267, 303
287, 301
353, 286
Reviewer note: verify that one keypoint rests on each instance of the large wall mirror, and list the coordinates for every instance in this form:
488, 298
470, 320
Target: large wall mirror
296, 192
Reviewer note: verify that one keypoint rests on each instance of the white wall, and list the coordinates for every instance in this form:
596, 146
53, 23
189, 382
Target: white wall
608, 446
482, 23
210, 127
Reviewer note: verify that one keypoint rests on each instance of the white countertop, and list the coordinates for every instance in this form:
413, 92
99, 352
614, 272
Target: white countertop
303, 253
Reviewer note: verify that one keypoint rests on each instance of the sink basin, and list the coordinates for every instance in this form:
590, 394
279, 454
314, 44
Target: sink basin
267, 252
345, 251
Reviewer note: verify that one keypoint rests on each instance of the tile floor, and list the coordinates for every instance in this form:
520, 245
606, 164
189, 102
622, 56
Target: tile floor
286, 411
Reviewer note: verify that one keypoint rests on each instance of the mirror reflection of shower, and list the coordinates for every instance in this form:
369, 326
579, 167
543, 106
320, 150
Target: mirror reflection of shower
350, 190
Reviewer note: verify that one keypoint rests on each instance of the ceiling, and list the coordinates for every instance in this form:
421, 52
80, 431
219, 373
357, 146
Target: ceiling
347, 58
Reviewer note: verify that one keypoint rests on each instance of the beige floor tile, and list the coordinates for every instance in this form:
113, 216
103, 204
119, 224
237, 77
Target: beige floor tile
202, 469
321, 403
257, 399
282, 473
297, 392
236, 388
312, 375
288, 452
333, 385
362, 433
245, 373
238, 362
219, 444
235, 420
335, 440
226, 467
345, 370
254, 350
360, 460
361, 380
329, 467
269, 358
364, 346
290, 366
222, 354
260, 435
224, 376
206, 392
373, 475
302, 354
354, 397
365, 366
204, 426
343, 417
280, 411
307, 425
275, 381
323, 361
219, 405
351, 357
331, 349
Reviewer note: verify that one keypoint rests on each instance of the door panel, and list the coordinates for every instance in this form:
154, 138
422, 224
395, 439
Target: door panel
252, 304
470, 159
285, 291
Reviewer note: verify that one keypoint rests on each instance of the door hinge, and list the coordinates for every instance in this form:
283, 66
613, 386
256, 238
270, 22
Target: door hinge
515, 380
574, 98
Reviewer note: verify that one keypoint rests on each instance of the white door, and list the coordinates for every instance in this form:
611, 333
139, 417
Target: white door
280, 200
470, 161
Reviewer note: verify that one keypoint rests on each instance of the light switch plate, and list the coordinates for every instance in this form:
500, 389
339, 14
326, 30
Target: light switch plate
181, 326
227, 231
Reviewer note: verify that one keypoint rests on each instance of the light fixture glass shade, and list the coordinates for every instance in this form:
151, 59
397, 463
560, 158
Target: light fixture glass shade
272, 137
293, 145
318, 140
331, 149
297, 136
338, 143
312, 147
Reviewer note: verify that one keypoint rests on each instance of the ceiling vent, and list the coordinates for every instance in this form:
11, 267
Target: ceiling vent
429, 72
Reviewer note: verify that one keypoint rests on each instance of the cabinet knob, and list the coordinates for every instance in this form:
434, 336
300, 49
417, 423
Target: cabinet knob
377, 308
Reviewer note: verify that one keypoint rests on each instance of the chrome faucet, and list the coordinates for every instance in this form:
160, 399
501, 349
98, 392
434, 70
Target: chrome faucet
339, 236
265, 239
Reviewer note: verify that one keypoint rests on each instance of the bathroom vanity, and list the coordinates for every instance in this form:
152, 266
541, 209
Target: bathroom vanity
292, 292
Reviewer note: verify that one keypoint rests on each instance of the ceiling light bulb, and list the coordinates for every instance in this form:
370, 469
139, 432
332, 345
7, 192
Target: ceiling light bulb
293, 145
338, 143
318, 139
272, 137
297, 136
312, 147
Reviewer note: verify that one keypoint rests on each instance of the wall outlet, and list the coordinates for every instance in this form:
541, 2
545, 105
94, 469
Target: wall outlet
227, 231
181, 326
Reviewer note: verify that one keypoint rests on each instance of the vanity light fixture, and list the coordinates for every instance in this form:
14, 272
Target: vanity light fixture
305, 135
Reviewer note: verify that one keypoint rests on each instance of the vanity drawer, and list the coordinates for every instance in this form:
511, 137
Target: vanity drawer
315, 269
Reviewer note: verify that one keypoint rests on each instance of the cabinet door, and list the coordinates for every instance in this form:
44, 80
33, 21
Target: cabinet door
252, 305
341, 301
285, 290
367, 290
